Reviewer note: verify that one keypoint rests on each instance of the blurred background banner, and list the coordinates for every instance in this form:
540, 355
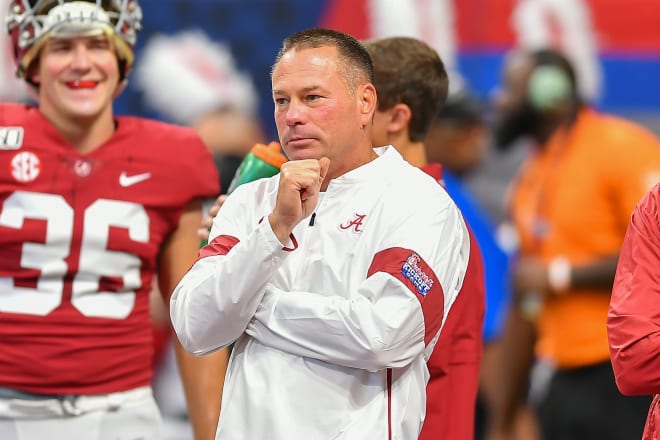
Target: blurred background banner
614, 43
618, 40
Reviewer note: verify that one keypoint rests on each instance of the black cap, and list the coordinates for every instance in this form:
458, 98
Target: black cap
462, 107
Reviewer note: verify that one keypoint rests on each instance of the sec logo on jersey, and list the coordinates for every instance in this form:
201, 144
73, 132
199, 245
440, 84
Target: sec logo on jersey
25, 167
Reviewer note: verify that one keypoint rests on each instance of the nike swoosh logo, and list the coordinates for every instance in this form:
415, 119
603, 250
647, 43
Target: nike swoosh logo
126, 180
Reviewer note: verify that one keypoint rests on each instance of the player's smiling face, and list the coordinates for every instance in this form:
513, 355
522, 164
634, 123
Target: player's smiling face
78, 77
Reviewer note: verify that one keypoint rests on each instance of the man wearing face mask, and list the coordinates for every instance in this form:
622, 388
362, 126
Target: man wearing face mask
570, 205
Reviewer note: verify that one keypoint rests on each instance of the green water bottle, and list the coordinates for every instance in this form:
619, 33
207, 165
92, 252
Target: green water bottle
262, 161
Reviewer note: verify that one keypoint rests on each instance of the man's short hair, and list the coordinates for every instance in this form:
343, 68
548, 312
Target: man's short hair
409, 71
357, 67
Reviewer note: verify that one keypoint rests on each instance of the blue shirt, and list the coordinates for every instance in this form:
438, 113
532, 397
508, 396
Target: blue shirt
496, 260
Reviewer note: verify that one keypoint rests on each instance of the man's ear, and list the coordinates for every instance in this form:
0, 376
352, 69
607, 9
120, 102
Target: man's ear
367, 101
399, 119
32, 76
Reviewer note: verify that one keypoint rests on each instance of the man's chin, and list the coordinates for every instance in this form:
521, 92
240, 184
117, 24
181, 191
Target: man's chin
301, 154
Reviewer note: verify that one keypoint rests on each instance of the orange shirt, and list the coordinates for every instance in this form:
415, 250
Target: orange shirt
574, 198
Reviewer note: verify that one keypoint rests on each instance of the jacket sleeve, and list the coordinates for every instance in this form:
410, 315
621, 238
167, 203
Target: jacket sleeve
393, 316
633, 321
205, 314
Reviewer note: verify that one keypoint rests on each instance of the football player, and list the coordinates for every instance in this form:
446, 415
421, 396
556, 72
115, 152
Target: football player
92, 207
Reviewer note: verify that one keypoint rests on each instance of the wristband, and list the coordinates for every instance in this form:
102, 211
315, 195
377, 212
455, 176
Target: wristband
559, 275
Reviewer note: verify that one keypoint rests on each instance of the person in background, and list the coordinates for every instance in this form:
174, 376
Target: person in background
412, 87
458, 139
339, 313
569, 204
191, 80
458, 136
633, 323
92, 207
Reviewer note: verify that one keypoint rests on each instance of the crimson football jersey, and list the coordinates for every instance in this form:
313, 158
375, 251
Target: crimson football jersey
79, 240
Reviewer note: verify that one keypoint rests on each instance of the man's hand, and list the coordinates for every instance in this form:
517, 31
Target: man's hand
203, 231
531, 277
531, 286
297, 195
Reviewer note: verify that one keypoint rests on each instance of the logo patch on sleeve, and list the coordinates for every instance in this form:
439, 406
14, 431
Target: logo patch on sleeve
411, 270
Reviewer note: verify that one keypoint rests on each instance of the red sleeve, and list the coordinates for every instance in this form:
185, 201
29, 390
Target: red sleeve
633, 321
454, 363
411, 269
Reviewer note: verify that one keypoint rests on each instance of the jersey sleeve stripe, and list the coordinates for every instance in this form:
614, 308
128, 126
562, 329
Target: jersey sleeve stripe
409, 268
220, 245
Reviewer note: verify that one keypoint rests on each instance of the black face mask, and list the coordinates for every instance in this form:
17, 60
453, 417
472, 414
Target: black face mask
510, 128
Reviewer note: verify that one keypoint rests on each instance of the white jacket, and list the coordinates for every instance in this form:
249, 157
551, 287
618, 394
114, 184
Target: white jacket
332, 337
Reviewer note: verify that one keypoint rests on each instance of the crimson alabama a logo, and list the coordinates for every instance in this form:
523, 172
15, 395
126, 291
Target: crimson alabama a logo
354, 224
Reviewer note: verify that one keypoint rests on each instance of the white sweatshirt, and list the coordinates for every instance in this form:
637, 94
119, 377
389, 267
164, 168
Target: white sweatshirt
332, 337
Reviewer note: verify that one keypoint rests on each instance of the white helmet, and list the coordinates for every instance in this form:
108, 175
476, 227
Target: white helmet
30, 22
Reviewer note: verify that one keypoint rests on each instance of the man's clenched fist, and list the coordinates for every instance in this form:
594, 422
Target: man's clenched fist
297, 195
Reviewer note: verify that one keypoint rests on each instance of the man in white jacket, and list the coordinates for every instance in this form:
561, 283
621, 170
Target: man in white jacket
330, 276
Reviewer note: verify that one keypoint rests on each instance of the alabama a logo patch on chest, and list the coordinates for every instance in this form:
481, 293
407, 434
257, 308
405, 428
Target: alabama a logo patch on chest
354, 224
11, 138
